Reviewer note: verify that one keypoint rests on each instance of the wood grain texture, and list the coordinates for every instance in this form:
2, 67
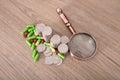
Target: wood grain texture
101, 18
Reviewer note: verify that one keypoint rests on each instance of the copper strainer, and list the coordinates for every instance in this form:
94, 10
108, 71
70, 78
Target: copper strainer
82, 45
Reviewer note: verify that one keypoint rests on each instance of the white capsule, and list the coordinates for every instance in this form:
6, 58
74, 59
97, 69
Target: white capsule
55, 40
64, 39
48, 52
49, 60
41, 48
39, 28
63, 48
47, 33
57, 60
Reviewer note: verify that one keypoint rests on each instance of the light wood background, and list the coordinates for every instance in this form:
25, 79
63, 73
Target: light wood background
98, 17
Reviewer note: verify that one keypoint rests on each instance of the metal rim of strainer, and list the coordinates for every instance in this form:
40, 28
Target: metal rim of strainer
93, 54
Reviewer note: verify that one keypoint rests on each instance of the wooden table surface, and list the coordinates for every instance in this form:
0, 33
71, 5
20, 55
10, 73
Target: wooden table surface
101, 18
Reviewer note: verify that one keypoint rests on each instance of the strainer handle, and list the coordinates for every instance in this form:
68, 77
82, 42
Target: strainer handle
65, 20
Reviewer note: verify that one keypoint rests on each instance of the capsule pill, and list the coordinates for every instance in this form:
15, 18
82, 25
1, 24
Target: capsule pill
25, 34
30, 34
28, 42
62, 56
32, 37
34, 53
38, 42
36, 57
31, 29
30, 25
33, 46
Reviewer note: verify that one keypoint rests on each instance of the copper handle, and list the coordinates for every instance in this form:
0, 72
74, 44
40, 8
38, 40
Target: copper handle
65, 20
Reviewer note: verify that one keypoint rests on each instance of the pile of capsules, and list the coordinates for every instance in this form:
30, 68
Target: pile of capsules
42, 41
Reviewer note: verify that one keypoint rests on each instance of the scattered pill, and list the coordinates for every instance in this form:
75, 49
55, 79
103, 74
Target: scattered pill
38, 42
30, 34
56, 60
41, 48
33, 46
36, 57
31, 29
34, 53
39, 28
47, 33
32, 37
63, 48
25, 34
30, 25
47, 52
48, 60
28, 43
64, 39
55, 40
62, 56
